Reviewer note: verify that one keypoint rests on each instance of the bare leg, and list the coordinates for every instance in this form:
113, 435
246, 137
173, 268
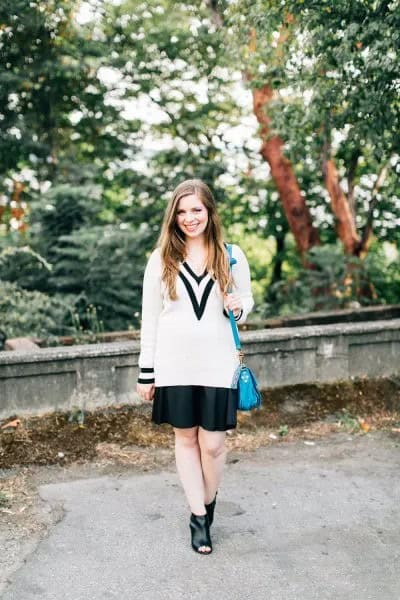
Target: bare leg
188, 465
213, 455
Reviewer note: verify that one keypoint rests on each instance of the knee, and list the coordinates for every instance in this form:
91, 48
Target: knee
214, 450
186, 439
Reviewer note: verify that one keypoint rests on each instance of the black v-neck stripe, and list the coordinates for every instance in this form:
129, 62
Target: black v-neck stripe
198, 308
198, 278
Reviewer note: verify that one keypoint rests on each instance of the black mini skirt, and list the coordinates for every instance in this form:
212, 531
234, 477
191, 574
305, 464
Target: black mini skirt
184, 406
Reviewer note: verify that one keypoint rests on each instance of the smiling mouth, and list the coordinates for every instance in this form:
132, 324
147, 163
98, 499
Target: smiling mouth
191, 227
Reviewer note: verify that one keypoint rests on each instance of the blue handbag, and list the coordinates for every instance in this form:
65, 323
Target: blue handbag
244, 380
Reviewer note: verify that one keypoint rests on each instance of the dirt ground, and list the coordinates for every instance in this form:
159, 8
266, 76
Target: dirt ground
61, 446
63, 438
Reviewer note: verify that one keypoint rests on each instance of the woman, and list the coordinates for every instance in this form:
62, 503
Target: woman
187, 355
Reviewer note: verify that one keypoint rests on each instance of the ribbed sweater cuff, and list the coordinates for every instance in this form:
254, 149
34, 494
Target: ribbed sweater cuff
146, 375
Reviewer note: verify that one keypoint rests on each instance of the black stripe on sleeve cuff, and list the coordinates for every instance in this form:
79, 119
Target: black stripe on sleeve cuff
146, 375
141, 380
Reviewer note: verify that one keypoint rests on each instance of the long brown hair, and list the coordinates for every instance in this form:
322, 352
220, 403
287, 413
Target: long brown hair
172, 240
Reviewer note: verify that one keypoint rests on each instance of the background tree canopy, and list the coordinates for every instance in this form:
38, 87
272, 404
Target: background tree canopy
288, 110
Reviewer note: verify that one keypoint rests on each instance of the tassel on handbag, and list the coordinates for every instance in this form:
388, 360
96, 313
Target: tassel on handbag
244, 380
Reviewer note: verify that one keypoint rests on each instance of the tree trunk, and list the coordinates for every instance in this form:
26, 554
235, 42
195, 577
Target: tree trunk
278, 258
296, 210
270, 296
367, 230
346, 228
294, 206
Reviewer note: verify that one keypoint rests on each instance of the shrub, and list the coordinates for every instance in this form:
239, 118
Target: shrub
31, 313
336, 280
23, 266
103, 267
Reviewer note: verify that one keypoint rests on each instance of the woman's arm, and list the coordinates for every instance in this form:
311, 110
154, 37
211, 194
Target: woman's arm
241, 284
151, 309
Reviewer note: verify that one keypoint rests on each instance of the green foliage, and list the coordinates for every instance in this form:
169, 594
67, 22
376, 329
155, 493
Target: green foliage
5, 501
87, 329
77, 415
31, 313
103, 267
55, 120
382, 264
334, 69
62, 210
335, 281
109, 116
348, 421
176, 58
323, 287
50, 73
23, 266
259, 252
283, 430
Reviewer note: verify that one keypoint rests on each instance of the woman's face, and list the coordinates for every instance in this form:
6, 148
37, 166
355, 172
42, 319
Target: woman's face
191, 216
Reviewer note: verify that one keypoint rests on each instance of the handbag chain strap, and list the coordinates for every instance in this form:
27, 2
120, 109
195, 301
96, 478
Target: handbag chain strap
235, 330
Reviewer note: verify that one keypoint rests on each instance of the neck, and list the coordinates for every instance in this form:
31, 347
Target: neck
195, 246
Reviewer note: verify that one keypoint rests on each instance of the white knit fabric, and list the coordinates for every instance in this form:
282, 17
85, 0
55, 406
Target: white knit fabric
182, 348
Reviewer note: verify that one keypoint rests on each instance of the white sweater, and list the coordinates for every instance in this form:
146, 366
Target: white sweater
189, 341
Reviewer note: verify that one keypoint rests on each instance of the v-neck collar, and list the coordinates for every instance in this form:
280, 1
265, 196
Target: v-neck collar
198, 308
196, 277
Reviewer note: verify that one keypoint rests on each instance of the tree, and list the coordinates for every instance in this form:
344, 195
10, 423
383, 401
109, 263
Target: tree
55, 123
99, 122
324, 80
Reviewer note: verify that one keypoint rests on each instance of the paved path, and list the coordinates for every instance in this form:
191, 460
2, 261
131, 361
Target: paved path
293, 522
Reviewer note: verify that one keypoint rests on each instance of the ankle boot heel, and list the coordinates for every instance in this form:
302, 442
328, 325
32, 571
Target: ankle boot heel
210, 510
200, 530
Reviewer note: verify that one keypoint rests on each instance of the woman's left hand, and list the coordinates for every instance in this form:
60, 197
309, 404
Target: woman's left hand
234, 303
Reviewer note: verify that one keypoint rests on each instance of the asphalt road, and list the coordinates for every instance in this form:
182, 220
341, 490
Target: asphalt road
293, 522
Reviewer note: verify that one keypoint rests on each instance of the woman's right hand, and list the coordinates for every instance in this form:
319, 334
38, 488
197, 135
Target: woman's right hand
145, 391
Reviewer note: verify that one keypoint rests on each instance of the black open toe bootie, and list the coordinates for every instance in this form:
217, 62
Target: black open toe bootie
200, 529
210, 510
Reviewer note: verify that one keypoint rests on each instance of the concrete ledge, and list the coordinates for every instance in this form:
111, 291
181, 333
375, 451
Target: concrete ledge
21, 345
324, 353
94, 375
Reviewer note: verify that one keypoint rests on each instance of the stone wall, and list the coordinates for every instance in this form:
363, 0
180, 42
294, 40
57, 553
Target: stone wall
97, 375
